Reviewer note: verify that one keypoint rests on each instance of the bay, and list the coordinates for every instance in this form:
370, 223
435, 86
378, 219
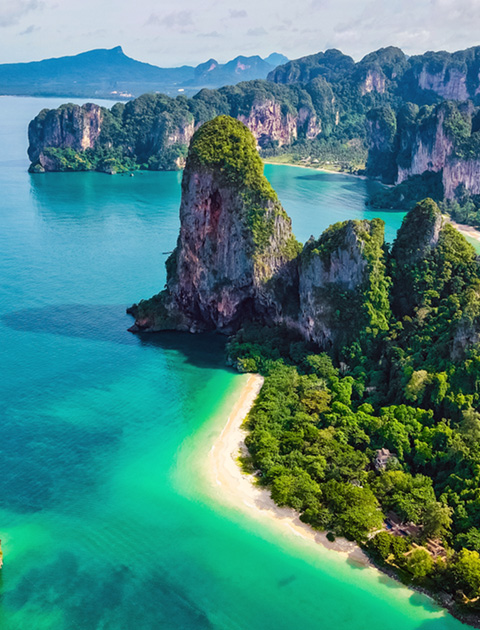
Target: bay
104, 520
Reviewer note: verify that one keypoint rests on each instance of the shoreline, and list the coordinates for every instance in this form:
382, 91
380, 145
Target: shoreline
463, 228
240, 489
315, 168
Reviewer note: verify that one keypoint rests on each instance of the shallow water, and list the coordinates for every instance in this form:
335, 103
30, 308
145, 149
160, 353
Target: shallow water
104, 518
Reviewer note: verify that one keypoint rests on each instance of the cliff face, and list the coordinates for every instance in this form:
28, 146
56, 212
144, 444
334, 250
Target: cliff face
429, 147
435, 282
466, 172
419, 79
236, 258
267, 123
334, 272
70, 127
153, 131
381, 126
449, 84
443, 139
374, 81
235, 240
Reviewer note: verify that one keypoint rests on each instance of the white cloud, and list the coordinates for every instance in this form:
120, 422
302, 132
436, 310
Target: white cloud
15, 10
236, 14
29, 30
171, 20
257, 32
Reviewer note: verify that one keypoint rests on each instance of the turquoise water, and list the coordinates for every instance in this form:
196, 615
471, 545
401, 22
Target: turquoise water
104, 518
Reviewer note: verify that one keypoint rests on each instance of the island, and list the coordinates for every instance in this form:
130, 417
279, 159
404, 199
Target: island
367, 422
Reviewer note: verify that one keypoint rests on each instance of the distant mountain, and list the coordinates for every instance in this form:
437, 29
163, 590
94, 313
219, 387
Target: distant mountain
109, 73
213, 74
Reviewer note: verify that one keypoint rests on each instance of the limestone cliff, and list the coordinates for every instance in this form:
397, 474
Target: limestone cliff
236, 258
444, 139
235, 239
153, 131
435, 282
336, 275
68, 127
269, 124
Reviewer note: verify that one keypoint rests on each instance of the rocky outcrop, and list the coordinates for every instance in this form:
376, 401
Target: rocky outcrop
381, 124
236, 258
418, 235
68, 127
334, 271
444, 139
154, 131
268, 124
235, 241
458, 172
419, 79
429, 146
435, 281
450, 84
374, 81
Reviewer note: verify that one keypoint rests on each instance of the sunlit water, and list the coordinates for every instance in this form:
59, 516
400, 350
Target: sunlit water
106, 522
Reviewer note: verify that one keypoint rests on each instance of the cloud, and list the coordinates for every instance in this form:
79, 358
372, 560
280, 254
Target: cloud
211, 34
257, 32
14, 11
236, 14
177, 19
31, 29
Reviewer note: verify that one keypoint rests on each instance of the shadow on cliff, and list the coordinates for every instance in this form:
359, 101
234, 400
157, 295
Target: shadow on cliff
109, 323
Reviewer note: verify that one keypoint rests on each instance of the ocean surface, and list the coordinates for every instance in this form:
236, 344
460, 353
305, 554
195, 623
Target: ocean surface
105, 521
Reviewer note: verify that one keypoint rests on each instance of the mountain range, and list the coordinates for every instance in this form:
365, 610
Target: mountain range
110, 73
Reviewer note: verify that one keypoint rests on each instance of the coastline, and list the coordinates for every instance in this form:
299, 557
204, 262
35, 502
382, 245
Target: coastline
466, 230
314, 168
239, 488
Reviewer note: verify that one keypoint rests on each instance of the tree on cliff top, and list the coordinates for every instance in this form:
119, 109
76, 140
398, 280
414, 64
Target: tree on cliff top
228, 146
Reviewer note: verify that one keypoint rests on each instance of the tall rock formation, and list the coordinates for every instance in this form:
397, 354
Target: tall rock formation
342, 284
68, 127
237, 260
443, 139
235, 244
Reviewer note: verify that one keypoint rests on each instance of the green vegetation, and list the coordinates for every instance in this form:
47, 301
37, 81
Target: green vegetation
331, 112
465, 208
103, 160
357, 315
227, 146
406, 195
321, 419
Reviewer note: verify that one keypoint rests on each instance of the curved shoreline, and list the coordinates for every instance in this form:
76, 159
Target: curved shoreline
463, 228
319, 169
239, 487
241, 491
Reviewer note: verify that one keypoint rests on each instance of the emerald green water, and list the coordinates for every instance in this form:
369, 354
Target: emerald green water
105, 519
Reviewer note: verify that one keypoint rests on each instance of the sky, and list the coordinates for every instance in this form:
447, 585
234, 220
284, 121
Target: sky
192, 31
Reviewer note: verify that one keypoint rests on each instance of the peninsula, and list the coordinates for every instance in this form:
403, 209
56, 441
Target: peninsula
366, 423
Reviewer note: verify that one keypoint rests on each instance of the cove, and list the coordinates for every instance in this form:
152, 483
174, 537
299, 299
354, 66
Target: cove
104, 517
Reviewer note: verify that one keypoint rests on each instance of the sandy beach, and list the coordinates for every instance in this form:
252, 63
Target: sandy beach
240, 489
466, 230
314, 167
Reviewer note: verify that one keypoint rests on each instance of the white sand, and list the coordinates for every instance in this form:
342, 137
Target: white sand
239, 489
466, 230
